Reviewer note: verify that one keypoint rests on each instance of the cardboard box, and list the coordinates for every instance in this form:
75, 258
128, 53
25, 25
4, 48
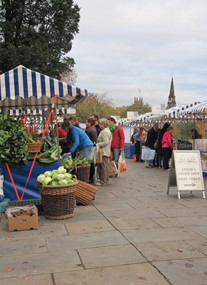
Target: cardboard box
22, 218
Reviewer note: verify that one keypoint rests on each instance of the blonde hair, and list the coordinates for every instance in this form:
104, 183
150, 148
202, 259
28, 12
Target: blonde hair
104, 122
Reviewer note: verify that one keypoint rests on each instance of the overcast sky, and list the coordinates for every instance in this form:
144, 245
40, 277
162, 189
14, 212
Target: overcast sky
132, 48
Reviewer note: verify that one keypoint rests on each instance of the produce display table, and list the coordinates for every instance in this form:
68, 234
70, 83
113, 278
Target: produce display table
20, 174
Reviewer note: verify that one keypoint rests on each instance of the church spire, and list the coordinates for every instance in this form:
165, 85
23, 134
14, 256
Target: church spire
171, 98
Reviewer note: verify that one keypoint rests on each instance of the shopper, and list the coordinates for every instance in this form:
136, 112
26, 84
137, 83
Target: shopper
137, 140
118, 138
78, 140
167, 146
152, 136
104, 143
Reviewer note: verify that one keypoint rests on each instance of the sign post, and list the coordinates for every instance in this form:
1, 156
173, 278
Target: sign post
186, 171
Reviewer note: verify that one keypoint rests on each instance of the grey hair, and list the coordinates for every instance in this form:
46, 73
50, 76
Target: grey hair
104, 122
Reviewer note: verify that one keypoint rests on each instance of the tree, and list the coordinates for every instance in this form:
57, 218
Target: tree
94, 104
69, 77
137, 106
38, 34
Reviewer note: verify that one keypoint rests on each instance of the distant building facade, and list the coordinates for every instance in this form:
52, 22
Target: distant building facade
158, 108
171, 98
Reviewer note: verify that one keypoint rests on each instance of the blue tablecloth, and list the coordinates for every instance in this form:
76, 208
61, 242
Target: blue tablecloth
20, 173
128, 150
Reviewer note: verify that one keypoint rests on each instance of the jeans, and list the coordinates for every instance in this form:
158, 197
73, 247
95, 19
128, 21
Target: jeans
116, 153
86, 151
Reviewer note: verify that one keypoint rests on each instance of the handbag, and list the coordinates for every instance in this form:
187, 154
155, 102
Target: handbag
99, 155
148, 154
112, 169
122, 162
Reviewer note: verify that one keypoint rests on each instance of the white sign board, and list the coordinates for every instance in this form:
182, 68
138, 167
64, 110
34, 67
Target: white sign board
188, 171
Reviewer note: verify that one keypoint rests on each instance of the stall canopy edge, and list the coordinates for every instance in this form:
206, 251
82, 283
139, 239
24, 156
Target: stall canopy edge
22, 87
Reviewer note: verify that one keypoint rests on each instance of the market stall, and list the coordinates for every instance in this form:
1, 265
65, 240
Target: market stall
24, 90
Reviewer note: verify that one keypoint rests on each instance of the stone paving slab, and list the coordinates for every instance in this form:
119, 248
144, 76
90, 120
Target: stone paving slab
83, 227
133, 223
184, 212
200, 230
181, 221
141, 274
41, 263
110, 256
193, 202
85, 241
44, 279
134, 213
115, 203
155, 205
168, 250
162, 198
200, 245
184, 272
12, 246
155, 235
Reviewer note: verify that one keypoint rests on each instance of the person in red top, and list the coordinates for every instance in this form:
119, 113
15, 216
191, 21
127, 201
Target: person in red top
167, 146
62, 133
118, 138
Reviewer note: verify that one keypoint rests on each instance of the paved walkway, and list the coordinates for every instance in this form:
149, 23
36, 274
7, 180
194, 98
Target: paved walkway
134, 233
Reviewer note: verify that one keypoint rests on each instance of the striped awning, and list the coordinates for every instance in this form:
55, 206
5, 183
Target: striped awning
37, 111
24, 88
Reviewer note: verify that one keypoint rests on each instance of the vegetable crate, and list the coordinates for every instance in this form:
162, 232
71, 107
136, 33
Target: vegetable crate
58, 201
85, 193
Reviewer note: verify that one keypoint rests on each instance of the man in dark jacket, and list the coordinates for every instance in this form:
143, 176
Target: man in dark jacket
152, 136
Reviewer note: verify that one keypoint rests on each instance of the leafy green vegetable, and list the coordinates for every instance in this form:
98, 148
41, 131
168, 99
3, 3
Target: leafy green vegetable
13, 141
49, 150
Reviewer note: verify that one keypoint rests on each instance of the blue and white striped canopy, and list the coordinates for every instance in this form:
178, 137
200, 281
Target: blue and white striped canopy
21, 86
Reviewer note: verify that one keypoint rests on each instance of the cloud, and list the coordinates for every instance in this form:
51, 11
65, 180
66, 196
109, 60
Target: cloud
124, 46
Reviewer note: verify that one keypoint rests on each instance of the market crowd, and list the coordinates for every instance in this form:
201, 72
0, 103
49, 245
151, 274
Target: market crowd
158, 143
159, 139
101, 138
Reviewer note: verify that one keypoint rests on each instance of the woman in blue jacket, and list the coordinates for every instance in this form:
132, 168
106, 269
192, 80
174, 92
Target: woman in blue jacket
78, 140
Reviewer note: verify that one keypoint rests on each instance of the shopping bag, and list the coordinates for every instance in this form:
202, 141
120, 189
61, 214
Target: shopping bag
134, 158
122, 162
112, 169
148, 154
98, 155
99, 158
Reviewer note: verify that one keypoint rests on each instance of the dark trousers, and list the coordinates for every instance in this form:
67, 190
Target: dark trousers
92, 173
137, 150
167, 153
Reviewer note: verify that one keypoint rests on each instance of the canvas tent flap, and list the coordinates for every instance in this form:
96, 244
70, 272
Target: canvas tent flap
22, 87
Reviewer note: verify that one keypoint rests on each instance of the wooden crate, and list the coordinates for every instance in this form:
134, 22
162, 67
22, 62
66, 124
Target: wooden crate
85, 192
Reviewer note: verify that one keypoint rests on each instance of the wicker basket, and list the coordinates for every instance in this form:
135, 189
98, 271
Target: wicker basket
83, 172
34, 147
58, 201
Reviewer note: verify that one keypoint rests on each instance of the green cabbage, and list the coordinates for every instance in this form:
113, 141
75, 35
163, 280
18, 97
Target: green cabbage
63, 182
